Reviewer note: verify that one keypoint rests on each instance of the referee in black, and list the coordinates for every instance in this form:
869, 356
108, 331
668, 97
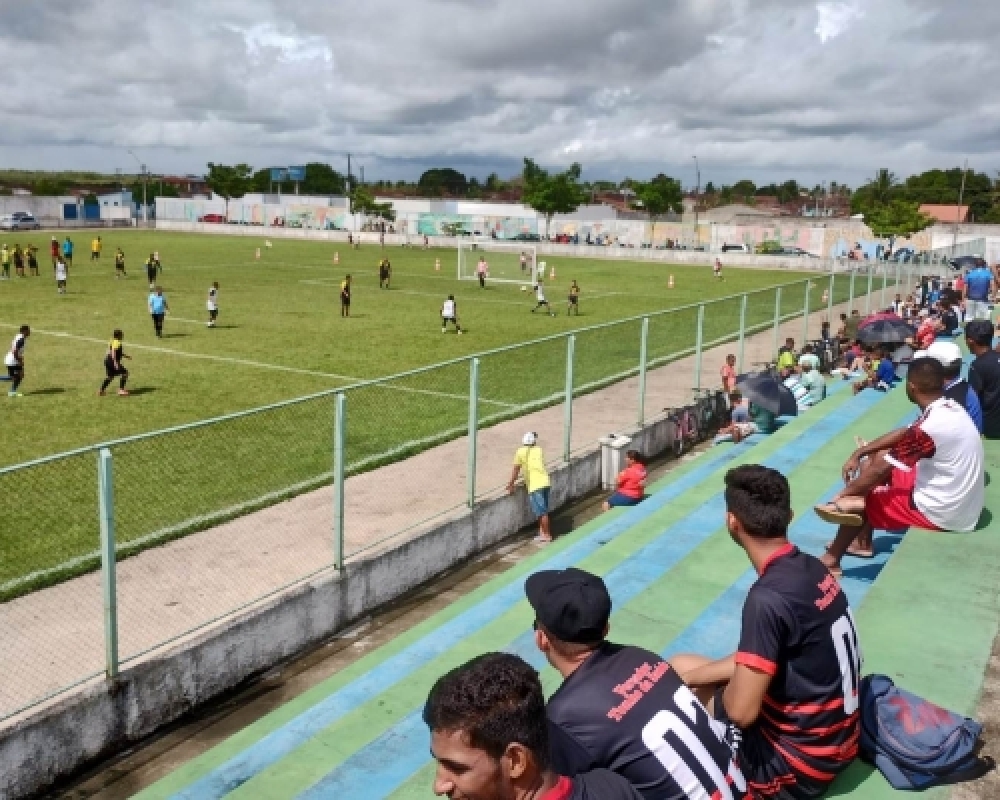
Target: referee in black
623, 708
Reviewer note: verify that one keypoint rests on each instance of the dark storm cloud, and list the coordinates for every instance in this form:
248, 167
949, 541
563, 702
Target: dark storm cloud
832, 89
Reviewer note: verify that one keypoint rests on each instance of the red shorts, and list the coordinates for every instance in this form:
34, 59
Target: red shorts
891, 507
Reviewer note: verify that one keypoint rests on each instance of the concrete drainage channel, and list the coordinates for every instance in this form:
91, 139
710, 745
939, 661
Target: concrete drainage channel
59, 739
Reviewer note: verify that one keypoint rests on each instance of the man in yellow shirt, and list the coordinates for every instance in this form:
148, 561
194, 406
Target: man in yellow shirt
787, 358
95, 249
530, 458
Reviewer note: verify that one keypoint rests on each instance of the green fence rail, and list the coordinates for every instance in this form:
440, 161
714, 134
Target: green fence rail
89, 510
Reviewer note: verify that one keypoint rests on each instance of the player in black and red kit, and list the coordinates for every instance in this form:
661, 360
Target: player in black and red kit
792, 685
490, 738
623, 708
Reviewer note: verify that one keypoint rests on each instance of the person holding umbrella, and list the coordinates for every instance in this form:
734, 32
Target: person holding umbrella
769, 399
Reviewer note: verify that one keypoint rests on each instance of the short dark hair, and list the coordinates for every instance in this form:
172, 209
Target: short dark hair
118, 333
980, 331
760, 498
926, 374
636, 456
497, 700
25, 329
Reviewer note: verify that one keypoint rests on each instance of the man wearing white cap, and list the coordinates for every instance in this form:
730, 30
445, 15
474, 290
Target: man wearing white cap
957, 388
530, 458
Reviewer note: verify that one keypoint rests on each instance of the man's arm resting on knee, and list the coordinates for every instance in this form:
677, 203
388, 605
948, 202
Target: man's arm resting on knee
875, 473
885, 442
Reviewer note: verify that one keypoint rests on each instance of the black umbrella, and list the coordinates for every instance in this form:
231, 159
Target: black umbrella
886, 331
767, 391
967, 262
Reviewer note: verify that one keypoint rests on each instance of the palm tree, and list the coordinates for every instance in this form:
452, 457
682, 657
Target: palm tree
881, 188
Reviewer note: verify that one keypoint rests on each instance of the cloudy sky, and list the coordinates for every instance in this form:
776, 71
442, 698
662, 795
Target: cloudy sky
766, 89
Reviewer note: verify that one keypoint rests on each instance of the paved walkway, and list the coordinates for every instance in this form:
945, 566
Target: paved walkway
53, 638
678, 583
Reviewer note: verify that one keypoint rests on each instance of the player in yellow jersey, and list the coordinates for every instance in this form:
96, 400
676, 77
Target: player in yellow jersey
574, 299
345, 297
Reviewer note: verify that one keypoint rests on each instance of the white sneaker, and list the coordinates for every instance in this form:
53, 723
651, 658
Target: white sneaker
459, 333
444, 330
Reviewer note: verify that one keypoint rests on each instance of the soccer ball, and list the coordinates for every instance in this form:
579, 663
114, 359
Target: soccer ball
524, 288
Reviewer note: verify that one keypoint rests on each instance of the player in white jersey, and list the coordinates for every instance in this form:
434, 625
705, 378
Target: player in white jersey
540, 300
14, 360
449, 313
61, 275
212, 304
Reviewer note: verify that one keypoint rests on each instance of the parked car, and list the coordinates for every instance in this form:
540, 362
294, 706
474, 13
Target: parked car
796, 251
527, 237
19, 221
735, 248
216, 218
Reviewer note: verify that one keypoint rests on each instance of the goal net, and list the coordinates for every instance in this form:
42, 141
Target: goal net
503, 261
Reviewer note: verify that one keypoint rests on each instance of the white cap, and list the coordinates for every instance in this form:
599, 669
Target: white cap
924, 313
529, 438
945, 352
920, 354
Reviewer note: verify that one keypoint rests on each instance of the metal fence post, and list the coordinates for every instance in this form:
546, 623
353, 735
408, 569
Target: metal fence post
850, 293
868, 297
805, 314
568, 403
885, 281
743, 332
829, 298
106, 506
643, 352
777, 317
339, 437
698, 341
473, 429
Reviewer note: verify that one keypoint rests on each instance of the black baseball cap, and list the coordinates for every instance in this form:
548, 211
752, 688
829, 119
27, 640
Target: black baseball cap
573, 605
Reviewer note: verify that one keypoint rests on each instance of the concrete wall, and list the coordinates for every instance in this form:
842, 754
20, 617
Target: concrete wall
694, 257
101, 718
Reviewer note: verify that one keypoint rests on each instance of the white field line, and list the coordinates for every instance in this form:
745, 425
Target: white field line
263, 365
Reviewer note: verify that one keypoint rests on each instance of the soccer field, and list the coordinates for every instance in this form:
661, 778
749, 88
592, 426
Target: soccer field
280, 334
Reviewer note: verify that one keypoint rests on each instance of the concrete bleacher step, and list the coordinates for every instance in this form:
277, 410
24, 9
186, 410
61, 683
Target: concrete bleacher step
678, 583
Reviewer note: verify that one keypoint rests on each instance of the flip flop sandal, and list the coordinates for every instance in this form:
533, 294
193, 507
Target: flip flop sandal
542, 540
834, 514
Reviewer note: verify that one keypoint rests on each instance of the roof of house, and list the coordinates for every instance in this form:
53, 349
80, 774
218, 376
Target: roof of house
945, 213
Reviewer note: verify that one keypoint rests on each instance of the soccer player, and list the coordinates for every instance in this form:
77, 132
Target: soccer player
524, 261
574, 299
62, 273
540, 299
5, 261
490, 738
717, 269
54, 251
14, 360
152, 268
345, 297
792, 685
158, 309
120, 264
67, 251
18, 261
113, 364
482, 268
623, 708
384, 273
212, 304
449, 313
95, 249
32, 253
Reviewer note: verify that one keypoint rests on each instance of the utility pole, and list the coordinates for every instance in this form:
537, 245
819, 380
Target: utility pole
349, 177
697, 192
958, 208
143, 175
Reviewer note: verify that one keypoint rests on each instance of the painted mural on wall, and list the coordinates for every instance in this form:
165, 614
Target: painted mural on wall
431, 224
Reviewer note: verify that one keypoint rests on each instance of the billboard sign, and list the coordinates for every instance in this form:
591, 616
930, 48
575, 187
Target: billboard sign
296, 174
279, 174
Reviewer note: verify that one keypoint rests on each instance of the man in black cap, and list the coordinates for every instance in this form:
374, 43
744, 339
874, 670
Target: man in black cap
623, 708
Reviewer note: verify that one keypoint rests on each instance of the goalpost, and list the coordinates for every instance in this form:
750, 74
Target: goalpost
503, 260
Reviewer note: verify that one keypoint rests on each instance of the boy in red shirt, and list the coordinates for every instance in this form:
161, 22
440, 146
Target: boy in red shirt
631, 482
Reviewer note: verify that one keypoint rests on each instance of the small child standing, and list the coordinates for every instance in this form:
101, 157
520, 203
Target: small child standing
212, 304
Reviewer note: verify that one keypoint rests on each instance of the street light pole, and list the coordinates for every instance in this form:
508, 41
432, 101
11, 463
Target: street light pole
958, 208
697, 192
143, 173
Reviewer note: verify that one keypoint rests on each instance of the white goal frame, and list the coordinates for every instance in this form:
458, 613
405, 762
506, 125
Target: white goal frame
469, 253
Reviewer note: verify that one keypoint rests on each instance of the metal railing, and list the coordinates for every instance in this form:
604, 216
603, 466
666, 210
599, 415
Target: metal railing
280, 493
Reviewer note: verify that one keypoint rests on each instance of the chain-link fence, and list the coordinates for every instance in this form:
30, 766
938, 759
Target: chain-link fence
112, 551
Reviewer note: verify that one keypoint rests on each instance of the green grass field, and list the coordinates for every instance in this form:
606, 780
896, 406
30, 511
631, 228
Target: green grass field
280, 336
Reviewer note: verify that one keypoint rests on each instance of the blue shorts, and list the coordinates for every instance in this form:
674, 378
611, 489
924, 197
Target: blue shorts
539, 502
618, 499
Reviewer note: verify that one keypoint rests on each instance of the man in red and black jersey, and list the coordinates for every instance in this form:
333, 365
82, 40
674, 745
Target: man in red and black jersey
792, 686
623, 708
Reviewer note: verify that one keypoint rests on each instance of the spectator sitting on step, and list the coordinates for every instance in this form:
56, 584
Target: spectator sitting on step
808, 359
759, 420
813, 381
883, 378
739, 407
928, 475
927, 329
955, 387
799, 392
984, 373
630, 483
